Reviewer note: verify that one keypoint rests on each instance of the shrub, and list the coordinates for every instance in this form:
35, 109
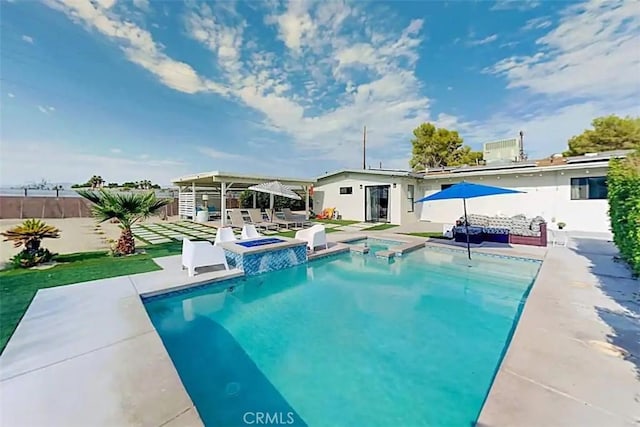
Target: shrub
26, 259
263, 200
623, 181
30, 235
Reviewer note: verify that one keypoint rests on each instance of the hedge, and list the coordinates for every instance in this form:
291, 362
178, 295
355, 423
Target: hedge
623, 182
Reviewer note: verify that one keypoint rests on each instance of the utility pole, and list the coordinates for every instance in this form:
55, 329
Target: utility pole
364, 148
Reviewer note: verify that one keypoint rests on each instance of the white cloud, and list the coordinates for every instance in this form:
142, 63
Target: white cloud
64, 163
137, 44
11, 95
116, 151
593, 52
43, 109
295, 26
217, 154
537, 23
105, 4
371, 74
520, 5
142, 4
51, 108
27, 38
486, 40
449, 87
586, 67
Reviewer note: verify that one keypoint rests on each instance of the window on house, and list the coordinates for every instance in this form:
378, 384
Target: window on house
410, 196
445, 186
589, 188
346, 190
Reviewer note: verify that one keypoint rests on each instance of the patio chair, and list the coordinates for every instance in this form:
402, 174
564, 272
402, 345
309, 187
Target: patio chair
237, 221
258, 221
224, 234
289, 216
558, 237
281, 222
249, 232
314, 236
201, 254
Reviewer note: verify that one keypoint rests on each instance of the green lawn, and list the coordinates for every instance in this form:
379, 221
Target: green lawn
336, 221
380, 227
18, 286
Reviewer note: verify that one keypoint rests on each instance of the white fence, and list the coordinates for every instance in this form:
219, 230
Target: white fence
187, 205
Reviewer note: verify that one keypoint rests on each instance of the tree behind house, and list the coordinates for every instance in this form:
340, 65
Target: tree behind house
608, 133
435, 147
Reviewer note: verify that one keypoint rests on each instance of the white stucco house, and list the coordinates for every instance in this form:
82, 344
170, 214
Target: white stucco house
570, 190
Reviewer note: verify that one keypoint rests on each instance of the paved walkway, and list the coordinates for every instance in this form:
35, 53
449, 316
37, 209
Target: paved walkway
575, 357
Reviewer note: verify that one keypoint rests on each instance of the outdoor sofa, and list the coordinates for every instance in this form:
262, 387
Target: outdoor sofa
517, 229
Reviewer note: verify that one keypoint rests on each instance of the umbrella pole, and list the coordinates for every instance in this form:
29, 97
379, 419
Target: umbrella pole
466, 227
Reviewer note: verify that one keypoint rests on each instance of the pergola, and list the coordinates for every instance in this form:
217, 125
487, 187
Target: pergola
221, 182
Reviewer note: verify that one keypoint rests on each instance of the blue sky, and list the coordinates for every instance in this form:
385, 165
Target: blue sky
154, 90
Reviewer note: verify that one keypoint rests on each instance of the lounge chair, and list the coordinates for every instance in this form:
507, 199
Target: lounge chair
289, 216
282, 222
258, 221
314, 236
224, 234
201, 254
249, 232
237, 221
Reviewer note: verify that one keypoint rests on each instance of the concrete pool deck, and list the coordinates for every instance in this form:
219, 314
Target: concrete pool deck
87, 354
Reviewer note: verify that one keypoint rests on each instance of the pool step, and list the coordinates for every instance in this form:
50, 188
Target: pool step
385, 254
360, 249
407, 247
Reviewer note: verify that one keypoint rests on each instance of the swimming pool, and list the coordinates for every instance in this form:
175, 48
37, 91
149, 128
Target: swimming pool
347, 340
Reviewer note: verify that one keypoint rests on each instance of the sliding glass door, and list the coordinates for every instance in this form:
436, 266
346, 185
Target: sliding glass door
376, 203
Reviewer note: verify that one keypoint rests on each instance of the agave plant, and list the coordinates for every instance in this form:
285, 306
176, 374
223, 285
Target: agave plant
127, 209
30, 235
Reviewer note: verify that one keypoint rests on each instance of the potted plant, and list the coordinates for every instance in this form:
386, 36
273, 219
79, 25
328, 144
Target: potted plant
561, 225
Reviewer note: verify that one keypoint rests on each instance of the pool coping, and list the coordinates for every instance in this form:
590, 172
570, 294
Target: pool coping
106, 331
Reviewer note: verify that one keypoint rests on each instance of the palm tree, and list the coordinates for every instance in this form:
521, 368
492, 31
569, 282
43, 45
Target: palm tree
127, 209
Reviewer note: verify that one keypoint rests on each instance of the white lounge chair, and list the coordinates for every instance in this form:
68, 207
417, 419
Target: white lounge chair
236, 220
298, 219
249, 232
201, 254
224, 234
314, 236
256, 219
281, 222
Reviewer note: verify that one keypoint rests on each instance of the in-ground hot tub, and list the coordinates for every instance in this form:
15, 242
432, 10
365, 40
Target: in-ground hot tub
263, 254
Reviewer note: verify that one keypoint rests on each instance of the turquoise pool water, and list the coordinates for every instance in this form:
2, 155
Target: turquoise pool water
349, 340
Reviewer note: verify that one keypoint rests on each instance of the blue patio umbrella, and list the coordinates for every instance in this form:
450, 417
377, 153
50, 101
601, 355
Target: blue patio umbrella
466, 190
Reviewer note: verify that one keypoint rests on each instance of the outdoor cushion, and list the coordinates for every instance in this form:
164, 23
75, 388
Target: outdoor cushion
496, 230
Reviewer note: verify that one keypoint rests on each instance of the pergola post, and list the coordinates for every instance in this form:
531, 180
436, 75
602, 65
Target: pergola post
195, 201
306, 202
254, 200
223, 203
